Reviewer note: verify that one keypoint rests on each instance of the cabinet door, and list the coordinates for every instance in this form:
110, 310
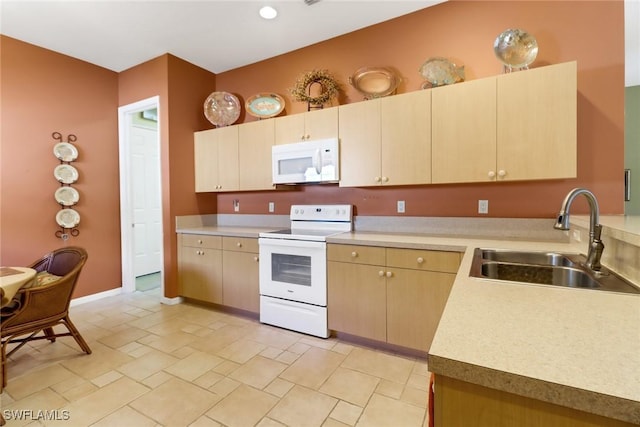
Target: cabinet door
255, 142
205, 156
289, 129
357, 299
200, 274
415, 302
359, 131
321, 124
240, 281
216, 159
317, 124
464, 132
406, 138
537, 123
228, 168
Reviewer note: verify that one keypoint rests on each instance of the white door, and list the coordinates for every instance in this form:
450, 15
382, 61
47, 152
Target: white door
147, 214
140, 191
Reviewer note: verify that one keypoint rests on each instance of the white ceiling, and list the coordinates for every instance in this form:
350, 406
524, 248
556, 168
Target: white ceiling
213, 34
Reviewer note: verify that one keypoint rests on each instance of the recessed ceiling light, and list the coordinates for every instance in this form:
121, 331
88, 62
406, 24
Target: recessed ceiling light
267, 12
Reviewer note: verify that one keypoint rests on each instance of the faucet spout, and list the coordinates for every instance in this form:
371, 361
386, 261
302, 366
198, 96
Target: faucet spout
595, 229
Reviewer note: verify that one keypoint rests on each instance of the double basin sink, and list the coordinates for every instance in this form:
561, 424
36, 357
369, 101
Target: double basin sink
545, 268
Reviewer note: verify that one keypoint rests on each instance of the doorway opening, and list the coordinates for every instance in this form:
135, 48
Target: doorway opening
141, 196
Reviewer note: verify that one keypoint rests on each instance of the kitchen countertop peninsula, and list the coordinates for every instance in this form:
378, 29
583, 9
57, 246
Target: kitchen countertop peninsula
577, 348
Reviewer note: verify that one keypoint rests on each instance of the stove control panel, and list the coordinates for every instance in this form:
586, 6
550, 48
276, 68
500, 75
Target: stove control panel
321, 213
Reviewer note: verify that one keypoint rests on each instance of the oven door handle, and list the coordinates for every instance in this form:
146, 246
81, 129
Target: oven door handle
266, 242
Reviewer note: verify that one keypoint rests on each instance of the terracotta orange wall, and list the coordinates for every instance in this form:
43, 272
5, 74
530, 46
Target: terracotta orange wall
590, 32
43, 92
182, 88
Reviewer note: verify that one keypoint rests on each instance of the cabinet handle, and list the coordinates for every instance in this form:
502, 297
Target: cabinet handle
381, 273
385, 179
420, 260
389, 274
354, 254
239, 244
502, 173
491, 174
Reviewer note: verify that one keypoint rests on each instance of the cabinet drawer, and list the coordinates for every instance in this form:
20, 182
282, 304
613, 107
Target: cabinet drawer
201, 241
447, 262
371, 255
240, 244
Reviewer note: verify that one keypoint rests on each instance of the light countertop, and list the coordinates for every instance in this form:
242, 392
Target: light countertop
574, 347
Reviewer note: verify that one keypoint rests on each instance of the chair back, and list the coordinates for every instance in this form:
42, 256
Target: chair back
50, 301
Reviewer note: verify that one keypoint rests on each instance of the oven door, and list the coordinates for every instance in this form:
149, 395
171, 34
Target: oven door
294, 270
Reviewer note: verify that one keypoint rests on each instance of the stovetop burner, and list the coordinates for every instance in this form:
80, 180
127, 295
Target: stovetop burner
315, 222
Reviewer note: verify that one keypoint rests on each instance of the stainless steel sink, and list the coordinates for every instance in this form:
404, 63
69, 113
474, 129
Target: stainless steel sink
538, 258
546, 268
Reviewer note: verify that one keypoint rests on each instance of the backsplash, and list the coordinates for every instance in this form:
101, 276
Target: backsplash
621, 248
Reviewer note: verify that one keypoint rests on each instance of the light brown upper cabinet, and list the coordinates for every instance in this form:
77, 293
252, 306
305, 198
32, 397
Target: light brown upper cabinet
516, 126
255, 140
386, 141
317, 124
216, 159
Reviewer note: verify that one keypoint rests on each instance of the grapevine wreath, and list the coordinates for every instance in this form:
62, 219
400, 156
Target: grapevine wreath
329, 85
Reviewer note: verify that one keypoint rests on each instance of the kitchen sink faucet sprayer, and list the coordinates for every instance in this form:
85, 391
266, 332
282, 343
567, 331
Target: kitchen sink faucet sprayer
595, 229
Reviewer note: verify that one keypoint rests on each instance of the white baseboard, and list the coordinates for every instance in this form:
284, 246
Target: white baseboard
171, 301
95, 297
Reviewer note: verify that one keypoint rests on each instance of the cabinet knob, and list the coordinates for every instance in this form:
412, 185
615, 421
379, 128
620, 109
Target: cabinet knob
491, 174
199, 241
385, 179
420, 260
377, 179
255, 258
389, 274
502, 173
354, 254
239, 244
381, 273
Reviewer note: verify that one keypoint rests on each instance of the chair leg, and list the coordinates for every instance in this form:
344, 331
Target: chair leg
76, 335
48, 332
3, 382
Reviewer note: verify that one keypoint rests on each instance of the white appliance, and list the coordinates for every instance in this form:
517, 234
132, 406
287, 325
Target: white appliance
293, 268
306, 162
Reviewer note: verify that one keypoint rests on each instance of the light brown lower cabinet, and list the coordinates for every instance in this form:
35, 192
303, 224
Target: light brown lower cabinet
220, 270
200, 267
240, 271
388, 294
459, 403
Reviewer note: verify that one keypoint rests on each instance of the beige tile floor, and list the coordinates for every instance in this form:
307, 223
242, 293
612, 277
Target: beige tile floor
185, 365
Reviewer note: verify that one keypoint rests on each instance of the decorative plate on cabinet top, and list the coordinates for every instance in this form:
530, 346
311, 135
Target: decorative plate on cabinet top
67, 218
65, 151
374, 82
439, 71
222, 108
66, 174
264, 105
67, 196
515, 48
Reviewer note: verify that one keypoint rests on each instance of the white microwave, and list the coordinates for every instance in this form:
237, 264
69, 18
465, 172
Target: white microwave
306, 162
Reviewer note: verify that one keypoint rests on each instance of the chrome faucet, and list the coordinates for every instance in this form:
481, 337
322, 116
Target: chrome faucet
595, 229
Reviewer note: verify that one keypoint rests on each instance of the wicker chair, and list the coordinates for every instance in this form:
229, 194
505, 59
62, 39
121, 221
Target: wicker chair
39, 308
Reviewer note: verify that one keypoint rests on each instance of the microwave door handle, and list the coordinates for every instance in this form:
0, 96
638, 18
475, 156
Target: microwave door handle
317, 161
